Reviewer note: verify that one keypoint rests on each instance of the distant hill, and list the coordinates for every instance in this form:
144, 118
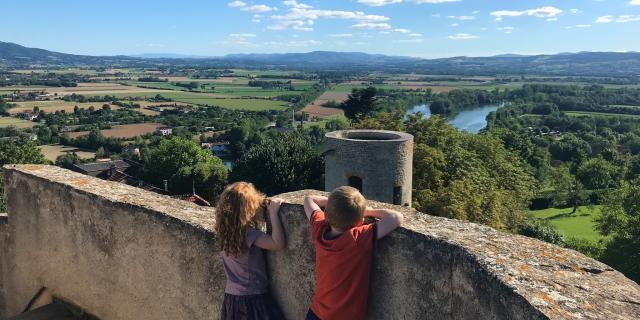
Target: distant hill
581, 63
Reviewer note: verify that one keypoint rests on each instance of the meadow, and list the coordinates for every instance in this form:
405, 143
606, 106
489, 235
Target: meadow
126, 131
56, 105
18, 123
577, 225
51, 152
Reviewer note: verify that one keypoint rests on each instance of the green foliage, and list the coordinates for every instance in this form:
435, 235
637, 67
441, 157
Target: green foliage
599, 174
569, 191
360, 103
542, 230
591, 249
337, 123
183, 163
465, 176
382, 121
17, 152
620, 219
282, 163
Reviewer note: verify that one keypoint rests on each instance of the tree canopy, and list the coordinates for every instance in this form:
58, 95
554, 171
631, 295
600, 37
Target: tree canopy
183, 163
281, 163
17, 152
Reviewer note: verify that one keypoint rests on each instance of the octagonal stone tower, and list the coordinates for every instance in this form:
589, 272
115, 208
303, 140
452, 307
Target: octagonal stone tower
378, 163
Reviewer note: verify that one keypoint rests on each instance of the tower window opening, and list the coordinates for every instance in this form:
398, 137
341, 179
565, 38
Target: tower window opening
397, 195
355, 182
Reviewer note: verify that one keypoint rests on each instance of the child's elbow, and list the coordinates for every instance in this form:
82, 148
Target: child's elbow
399, 219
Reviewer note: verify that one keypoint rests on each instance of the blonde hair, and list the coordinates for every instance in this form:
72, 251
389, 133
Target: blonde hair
237, 208
345, 208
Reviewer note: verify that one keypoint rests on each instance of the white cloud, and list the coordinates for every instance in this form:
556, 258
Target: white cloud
236, 4
402, 30
635, 2
242, 35
295, 4
302, 43
257, 8
409, 40
341, 35
240, 39
628, 18
434, 1
604, 19
542, 12
302, 17
583, 26
619, 19
415, 34
463, 36
575, 11
466, 17
378, 3
507, 30
372, 25
455, 24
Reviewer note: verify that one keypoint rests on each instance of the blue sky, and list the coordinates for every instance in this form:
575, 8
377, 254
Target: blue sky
422, 28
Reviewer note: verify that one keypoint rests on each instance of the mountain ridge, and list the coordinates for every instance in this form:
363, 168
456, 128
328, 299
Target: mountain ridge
580, 63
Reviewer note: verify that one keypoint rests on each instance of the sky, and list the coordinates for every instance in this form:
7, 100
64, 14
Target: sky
419, 28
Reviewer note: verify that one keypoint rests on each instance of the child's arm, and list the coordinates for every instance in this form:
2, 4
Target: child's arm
389, 220
313, 203
276, 240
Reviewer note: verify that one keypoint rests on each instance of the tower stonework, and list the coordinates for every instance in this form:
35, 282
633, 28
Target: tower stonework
377, 162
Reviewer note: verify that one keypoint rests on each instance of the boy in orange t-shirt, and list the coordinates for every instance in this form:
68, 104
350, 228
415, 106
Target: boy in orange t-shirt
344, 248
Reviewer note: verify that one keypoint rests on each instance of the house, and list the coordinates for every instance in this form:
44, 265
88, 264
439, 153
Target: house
165, 131
29, 115
105, 169
219, 148
42, 97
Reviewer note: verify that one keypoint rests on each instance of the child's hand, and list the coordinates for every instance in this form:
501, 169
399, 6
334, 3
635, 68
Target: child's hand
274, 205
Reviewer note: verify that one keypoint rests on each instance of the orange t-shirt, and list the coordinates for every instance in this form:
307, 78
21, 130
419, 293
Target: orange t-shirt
343, 265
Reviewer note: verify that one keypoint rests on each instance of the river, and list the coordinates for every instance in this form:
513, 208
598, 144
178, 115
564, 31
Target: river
472, 120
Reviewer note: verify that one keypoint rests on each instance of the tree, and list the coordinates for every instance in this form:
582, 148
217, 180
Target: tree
598, 174
569, 191
440, 106
337, 123
620, 219
360, 103
466, 176
67, 160
184, 165
17, 152
283, 163
382, 121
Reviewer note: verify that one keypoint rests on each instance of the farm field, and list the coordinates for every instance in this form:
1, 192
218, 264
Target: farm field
578, 225
56, 105
126, 131
51, 152
212, 99
18, 123
97, 89
315, 109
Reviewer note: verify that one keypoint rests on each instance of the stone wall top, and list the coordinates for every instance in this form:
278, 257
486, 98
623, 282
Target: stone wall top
539, 278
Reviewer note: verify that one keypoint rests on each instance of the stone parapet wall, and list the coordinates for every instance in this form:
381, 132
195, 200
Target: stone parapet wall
123, 253
4, 236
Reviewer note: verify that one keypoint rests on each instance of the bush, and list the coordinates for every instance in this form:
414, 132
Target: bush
586, 247
542, 230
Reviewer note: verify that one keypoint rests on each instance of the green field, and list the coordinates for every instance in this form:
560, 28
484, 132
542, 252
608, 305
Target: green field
226, 89
211, 99
587, 114
578, 225
19, 123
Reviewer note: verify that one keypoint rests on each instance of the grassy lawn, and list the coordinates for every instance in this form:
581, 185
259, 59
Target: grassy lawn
19, 123
578, 225
587, 114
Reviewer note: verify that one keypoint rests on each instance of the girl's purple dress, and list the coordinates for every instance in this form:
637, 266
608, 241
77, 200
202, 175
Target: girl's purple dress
246, 294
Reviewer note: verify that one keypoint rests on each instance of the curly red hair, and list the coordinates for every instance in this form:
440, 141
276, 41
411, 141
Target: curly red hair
237, 208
